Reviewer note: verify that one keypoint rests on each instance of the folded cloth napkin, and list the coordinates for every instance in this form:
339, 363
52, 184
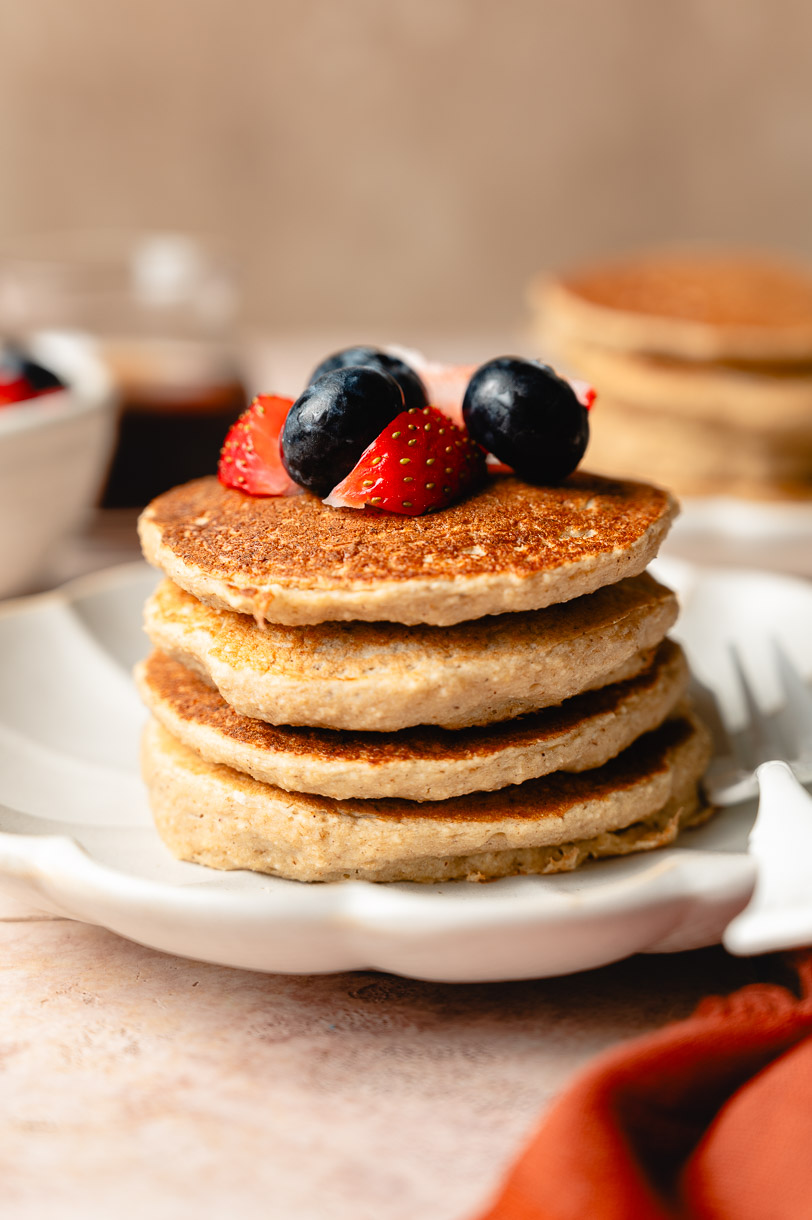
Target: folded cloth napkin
708, 1118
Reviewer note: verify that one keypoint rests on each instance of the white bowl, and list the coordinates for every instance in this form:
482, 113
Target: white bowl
53, 455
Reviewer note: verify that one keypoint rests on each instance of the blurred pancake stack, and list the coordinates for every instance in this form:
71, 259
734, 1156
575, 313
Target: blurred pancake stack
703, 366
482, 691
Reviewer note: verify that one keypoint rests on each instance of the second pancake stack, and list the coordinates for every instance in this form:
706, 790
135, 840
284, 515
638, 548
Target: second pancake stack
514, 740
703, 365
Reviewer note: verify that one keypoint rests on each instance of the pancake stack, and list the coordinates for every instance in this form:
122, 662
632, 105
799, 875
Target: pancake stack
703, 367
482, 691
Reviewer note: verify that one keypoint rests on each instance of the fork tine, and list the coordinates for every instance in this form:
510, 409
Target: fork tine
707, 705
798, 699
727, 781
759, 733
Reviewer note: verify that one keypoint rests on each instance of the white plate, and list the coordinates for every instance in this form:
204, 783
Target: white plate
772, 535
736, 518
81, 842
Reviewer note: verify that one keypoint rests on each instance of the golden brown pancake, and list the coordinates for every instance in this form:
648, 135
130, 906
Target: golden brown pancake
701, 457
698, 305
415, 764
772, 401
510, 547
383, 676
703, 366
216, 816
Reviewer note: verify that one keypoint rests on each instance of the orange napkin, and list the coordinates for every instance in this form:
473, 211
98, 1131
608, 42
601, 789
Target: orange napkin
708, 1118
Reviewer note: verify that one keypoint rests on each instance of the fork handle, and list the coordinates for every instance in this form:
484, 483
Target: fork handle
779, 915
781, 837
786, 802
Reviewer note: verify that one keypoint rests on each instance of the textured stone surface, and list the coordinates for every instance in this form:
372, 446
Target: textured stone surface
134, 1083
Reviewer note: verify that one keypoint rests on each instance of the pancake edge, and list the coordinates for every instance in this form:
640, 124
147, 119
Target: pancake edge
436, 602
219, 818
563, 309
457, 692
588, 743
715, 393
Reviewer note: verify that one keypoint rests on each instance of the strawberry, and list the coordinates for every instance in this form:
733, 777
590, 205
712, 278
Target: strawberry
584, 392
250, 459
419, 463
446, 385
14, 388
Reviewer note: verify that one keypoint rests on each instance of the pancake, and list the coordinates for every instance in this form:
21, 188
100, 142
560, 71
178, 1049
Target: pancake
382, 677
510, 547
769, 400
415, 764
697, 305
700, 457
219, 817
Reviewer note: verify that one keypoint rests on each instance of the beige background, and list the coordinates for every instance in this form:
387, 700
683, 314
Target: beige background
408, 163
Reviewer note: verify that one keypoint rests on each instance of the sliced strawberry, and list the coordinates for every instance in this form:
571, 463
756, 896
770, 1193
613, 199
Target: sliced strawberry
584, 392
496, 467
250, 459
419, 463
446, 385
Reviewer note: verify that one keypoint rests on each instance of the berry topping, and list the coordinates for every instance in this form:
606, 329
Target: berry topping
584, 392
42, 380
14, 388
414, 392
331, 424
21, 378
249, 459
419, 463
446, 385
528, 417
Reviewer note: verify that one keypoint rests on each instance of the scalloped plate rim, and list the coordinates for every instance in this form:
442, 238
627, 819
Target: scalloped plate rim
59, 871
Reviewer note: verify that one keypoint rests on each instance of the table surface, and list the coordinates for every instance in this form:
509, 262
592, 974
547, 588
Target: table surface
136, 1083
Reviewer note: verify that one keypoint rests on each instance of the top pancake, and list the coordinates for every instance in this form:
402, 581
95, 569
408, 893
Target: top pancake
509, 547
691, 304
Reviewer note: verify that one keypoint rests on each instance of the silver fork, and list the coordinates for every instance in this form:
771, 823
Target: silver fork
774, 754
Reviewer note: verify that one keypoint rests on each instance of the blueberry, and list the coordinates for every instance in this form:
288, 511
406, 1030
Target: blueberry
331, 424
40, 378
528, 417
414, 392
16, 362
